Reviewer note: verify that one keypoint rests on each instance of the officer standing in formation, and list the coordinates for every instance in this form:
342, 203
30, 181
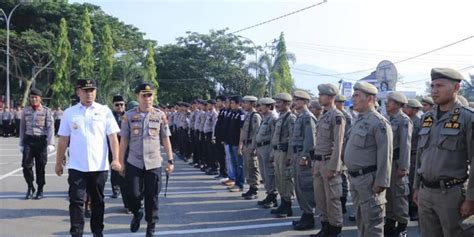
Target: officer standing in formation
36, 141
7, 120
87, 128
368, 157
264, 151
397, 195
209, 124
247, 147
303, 142
444, 189
58, 115
411, 109
17, 115
427, 103
327, 163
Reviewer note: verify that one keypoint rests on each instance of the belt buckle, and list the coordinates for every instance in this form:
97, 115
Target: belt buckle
360, 172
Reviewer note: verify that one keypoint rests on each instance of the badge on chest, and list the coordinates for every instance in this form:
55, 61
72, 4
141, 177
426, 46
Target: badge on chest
453, 122
427, 122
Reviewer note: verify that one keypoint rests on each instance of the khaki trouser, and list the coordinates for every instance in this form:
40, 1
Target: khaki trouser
267, 168
368, 206
438, 211
328, 194
283, 174
251, 167
303, 179
397, 197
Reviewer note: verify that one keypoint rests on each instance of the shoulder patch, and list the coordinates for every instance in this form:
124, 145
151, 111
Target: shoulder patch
338, 120
427, 122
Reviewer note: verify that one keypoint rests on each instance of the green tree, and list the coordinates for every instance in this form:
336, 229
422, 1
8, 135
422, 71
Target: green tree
85, 56
150, 67
283, 82
106, 65
62, 87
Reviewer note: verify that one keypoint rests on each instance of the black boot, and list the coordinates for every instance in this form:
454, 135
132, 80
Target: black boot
39, 194
401, 230
150, 230
306, 222
272, 201
135, 223
284, 210
251, 194
333, 231
389, 228
343, 203
31, 190
265, 200
324, 230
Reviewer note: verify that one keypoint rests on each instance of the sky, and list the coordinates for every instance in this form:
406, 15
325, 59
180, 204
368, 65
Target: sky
337, 36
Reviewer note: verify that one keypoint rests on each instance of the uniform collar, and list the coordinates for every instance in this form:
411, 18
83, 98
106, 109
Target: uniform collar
93, 105
455, 109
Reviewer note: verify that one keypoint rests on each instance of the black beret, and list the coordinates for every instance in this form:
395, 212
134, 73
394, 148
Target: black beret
212, 102
144, 88
36, 92
86, 84
236, 99
117, 98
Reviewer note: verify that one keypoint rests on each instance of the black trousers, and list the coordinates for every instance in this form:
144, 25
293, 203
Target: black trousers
196, 148
115, 178
211, 151
94, 183
220, 157
56, 126
34, 154
147, 184
17, 127
7, 127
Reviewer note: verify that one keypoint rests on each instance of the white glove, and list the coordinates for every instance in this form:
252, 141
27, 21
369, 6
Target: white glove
51, 149
21, 149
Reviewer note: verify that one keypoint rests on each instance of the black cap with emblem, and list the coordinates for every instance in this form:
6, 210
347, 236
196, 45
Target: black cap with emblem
86, 84
145, 88
118, 98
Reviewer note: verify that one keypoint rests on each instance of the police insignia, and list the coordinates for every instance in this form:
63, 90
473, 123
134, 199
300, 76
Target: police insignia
454, 125
136, 131
338, 120
427, 122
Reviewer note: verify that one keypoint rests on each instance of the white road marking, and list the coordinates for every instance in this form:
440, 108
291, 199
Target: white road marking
10, 174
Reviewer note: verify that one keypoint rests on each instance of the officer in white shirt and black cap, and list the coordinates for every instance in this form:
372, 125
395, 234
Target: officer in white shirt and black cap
86, 127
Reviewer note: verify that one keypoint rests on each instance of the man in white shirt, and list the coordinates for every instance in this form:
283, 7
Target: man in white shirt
86, 127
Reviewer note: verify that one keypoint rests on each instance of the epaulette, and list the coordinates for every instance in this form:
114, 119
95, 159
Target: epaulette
468, 109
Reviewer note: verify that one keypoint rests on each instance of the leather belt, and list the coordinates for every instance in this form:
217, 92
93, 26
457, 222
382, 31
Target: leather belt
443, 183
322, 157
297, 149
359, 172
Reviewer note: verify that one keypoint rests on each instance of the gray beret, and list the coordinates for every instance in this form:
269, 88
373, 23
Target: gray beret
366, 88
328, 89
340, 98
283, 96
428, 100
249, 98
266, 101
412, 103
302, 95
315, 105
398, 97
446, 73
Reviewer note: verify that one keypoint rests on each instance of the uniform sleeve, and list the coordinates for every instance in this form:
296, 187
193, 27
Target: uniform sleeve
405, 144
50, 128
309, 136
470, 145
125, 128
111, 125
335, 163
22, 128
256, 123
64, 128
164, 128
384, 140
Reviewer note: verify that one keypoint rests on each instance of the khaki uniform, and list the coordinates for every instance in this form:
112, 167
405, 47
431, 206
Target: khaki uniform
414, 144
282, 154
252, 172
397, 194
443, 157
368, 157
303, 141
330, 137
264, 151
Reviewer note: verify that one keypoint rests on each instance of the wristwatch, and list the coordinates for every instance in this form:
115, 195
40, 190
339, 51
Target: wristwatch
171, 162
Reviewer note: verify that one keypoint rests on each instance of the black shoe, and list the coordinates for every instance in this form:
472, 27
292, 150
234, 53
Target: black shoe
324, 230
389, 228
114, 195
135, 223
306, 222
97, 235
333, 231
29, 193
352, 217
212, 172
251, 194
39, 194
284, 210
150, 230
272, 201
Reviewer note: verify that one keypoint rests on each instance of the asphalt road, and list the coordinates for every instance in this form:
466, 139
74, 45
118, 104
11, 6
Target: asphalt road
196, 205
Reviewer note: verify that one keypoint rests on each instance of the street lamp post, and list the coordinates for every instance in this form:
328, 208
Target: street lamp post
7, 21
256, 54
